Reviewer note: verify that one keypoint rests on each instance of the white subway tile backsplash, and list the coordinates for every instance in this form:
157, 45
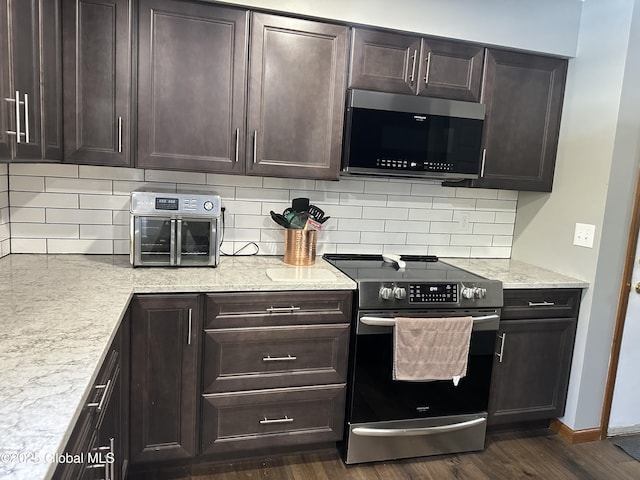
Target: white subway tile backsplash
115, 232
25, 214
5, 247
85, 209
44, 169
78, 185
77, 216
34, 199
110, 173
44, 230
103, 247
27, 184
102, 202
170, 176
4, 231
28, 245
4, 168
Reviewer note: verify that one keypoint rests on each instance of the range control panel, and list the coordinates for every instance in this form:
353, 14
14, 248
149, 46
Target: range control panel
433, 293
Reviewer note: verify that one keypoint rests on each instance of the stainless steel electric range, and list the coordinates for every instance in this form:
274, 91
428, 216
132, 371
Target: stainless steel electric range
388, 419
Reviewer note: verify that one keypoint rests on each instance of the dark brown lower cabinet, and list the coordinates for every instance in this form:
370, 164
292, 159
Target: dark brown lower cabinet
100, 437
533, 355
255, 419
165, 343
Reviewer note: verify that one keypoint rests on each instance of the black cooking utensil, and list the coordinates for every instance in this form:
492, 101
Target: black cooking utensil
300, 204
279, 219
316, 213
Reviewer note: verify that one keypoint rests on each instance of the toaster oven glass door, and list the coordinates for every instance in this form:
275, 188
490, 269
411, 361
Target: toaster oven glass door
155, 235
196, 241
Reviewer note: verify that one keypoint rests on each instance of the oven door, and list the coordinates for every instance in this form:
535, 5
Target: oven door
376, 397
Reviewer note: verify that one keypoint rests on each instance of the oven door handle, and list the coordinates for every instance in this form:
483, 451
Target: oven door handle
391, 322
412, 432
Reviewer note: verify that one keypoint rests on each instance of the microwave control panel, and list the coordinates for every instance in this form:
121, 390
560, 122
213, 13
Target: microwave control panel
402, 164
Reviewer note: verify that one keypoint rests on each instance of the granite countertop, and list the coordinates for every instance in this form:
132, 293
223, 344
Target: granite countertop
59, 313
516, 274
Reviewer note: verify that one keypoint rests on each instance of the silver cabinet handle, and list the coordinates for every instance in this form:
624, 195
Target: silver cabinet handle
26, 118
541, 304
267, 421
178, 256
413, 68
426, 75
255, 147
484, 75
105, 393
119, 134
190, 326
237, 144
18, 133
502, 339
112, 465
288, 358
391, 322
484, 158
413, 432
282, 309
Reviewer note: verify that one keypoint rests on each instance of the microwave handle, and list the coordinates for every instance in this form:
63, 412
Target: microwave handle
172, 243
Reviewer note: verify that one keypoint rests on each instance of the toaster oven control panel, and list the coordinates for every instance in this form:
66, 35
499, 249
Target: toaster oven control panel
433, 293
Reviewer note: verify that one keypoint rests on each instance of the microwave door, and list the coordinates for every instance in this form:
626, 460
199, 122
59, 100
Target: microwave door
196, 239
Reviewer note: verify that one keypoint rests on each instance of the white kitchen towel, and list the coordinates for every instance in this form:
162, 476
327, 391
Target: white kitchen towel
426, 349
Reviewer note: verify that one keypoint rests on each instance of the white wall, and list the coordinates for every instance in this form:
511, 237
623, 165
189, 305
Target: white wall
594, 183
85, 209
4, 211
549, 26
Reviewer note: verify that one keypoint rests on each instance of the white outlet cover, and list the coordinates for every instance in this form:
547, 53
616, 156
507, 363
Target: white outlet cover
584, 235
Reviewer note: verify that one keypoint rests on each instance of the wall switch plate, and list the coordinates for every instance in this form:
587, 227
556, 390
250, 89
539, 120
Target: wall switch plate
584, 234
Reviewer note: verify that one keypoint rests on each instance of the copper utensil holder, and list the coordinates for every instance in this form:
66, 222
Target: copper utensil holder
300, 246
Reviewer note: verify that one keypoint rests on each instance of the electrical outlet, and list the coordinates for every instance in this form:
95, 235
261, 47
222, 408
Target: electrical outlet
584, 234
463, 222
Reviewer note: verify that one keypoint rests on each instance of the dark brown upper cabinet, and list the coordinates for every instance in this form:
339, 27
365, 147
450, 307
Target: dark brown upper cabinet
401, 63
297, 78
97, 81
30, 81
191, 86
523, 95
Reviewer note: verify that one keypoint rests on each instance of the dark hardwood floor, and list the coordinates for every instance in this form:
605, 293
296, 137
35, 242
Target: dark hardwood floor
538, 454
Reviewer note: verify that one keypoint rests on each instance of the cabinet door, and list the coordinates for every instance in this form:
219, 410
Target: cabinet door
164, 351
530, 379
523, 96
384, 61
7, 109
96, 75
24, 78
191, 86
52, 124
450, 70
297, 79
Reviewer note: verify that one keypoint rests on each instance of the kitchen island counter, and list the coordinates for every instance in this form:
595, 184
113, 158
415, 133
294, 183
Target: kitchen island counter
58, 315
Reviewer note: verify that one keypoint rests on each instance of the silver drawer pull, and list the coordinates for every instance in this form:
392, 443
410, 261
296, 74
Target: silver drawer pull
541, 304
267, 421
502, 338
283, 309
269, 358
105, 392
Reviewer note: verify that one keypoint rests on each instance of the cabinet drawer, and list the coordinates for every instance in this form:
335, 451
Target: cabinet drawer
270, 418
541, 303
235, 310
274, 357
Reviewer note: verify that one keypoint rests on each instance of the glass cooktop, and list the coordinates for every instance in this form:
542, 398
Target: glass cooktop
362, 267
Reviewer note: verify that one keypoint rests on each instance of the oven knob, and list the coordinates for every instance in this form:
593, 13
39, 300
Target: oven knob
468, 292
400, 293
480, 292
208, 205
385, 293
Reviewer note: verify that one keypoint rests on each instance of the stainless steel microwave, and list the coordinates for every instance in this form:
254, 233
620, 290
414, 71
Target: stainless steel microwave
170, 229
403, 135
